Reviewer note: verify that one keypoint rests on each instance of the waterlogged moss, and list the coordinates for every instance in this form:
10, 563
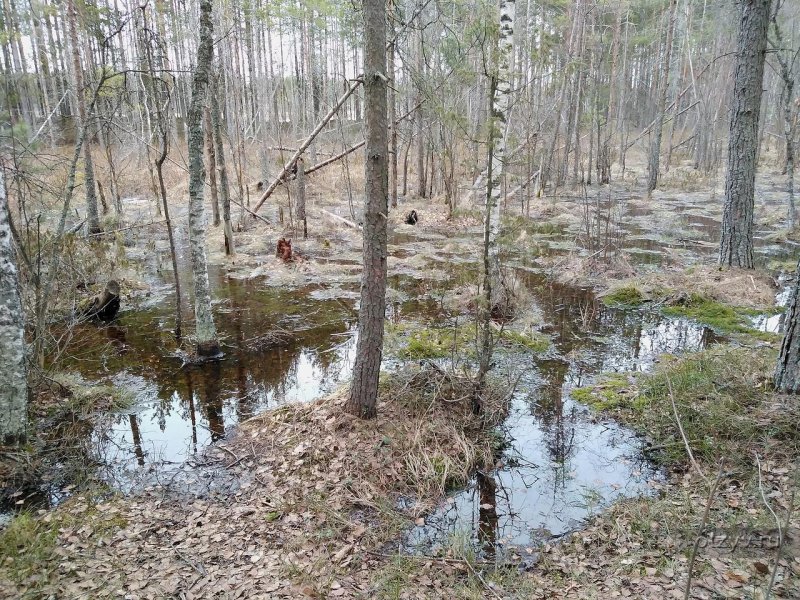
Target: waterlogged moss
624, 296
89, 397
723, 318
723, 398
534, 341
428, 343
612, 392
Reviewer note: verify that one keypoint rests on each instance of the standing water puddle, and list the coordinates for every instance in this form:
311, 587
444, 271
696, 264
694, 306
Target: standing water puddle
561, 466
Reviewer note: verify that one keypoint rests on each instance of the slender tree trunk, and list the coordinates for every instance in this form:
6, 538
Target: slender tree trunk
92, 219
655, 145
205, 330
787, 94
736, 245
300, 179
787, 372
366, 370
13, 381
224, 188
212, 165
392, 112
500, 92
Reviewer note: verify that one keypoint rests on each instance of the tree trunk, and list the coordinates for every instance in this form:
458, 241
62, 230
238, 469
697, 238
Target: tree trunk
301, 195
92, 220
736, 245
366, 370
655, 146
212, 165
205, 330
13, 382
788, 118
500, 91
224, 188
787, 373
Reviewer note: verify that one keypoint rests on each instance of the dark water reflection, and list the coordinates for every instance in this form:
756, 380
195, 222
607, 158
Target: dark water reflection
563, 464
181, 408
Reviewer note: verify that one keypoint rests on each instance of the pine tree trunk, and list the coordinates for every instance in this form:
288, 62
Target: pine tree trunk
13, 382
92, 219
366, 370
787, 373
655, 145
205, 330
736, 246
224, 188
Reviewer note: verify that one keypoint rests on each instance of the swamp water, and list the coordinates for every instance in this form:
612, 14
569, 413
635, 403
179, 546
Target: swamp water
561, 464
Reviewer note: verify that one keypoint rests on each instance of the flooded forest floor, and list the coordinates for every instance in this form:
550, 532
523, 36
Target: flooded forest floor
155, 477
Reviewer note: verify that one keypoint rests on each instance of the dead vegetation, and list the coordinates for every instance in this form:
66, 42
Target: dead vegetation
322, 497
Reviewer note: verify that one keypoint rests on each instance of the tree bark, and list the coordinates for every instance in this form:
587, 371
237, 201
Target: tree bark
212, 165
655, 146
92, 219
301, 195
366, 370
736, 245
205, 330
787, 373
224, 187
500, 91
13, 381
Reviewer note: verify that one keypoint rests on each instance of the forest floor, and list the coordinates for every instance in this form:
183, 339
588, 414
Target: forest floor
323, 498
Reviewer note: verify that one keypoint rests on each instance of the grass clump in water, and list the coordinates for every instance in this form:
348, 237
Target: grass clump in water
89, 397
625, 296
428, 343
537, 342
615, 390
723, 318
723, 398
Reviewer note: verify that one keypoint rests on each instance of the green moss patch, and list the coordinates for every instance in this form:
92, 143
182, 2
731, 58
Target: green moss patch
625, 296
534, 341
723, 398
615, 390
722, 318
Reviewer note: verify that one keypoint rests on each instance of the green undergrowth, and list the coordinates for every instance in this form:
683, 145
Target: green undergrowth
722, 318
410, 342
28, 542
723, 397
625, 296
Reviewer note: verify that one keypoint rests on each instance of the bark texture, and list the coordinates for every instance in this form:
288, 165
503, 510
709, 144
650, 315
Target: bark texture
13, 383
224, 186
92, 220
787, 373
736, 245
366, 370
658, 128
205, 330
500, 92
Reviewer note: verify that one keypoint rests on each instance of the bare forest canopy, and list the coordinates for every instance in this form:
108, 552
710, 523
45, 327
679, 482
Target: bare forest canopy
588, 78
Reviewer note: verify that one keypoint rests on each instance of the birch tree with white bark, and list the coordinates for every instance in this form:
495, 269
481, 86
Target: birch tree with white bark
13, 382
205, 330
500, 90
